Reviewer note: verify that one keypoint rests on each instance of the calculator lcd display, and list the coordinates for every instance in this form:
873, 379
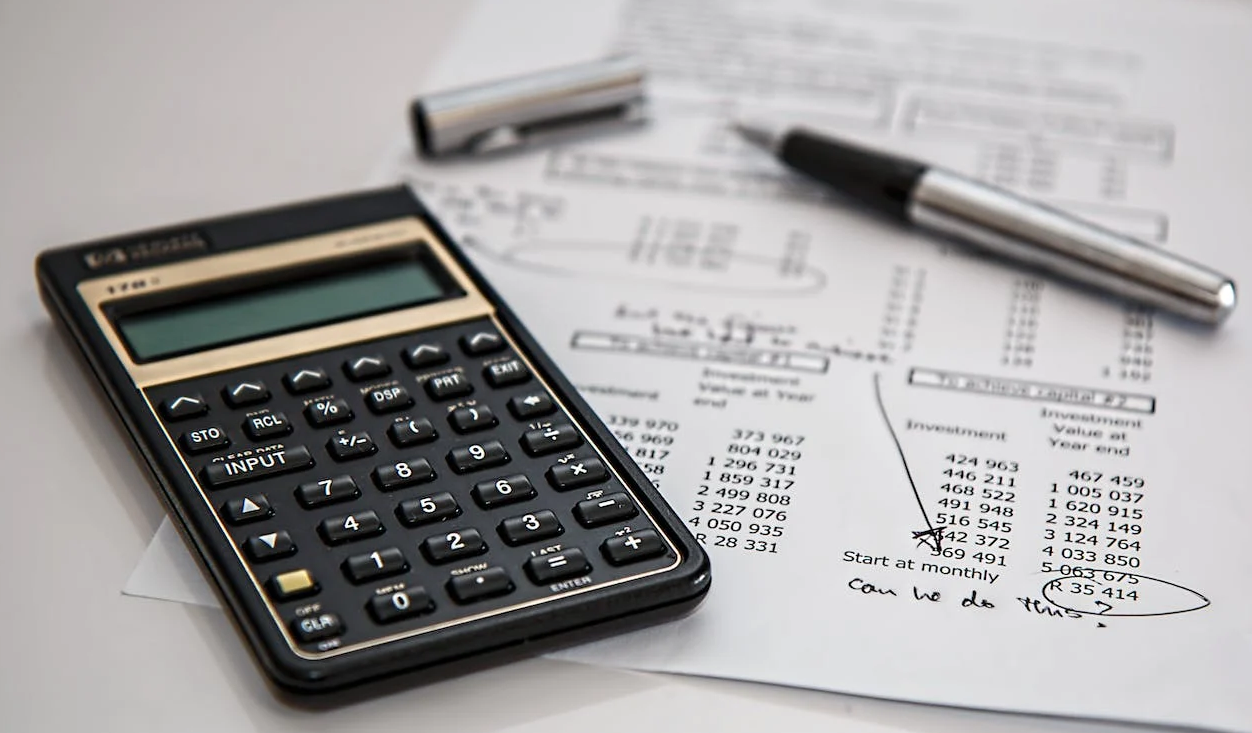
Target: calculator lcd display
243, 316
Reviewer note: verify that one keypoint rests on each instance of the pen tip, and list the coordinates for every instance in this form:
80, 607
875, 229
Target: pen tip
760, 134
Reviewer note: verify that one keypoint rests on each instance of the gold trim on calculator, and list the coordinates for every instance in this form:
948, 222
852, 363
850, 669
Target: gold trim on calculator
98, 293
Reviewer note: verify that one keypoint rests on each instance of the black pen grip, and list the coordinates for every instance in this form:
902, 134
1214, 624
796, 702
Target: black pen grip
881, 181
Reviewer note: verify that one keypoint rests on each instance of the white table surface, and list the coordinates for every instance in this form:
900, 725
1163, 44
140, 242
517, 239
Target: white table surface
131, 114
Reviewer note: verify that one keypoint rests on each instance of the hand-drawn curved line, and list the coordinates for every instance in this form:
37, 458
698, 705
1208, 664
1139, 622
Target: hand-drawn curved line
1105, 613
931, 533
746, 274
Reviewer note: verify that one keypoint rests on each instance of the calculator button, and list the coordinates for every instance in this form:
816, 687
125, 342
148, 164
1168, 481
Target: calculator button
248, 509
470, 419
266, 425
633, 547
316, 628
184, 407
250, 468
377, 564
556, 566
606, 509
400, 604
453, 545
530, 528
411, 432
483, 342
345, 446
447, 386
388, 399
269, 546
425, 355
501, 491
560, 436
576, 473
427, 509
392, 476
366, 367
477, 586
327, 491
531, 405
306, 380
505, 373
349, 528
245, 393
204, 439
468, 458
327, 412
294, 584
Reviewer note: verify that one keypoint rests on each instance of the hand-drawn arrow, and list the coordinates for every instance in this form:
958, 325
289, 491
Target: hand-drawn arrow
932, 536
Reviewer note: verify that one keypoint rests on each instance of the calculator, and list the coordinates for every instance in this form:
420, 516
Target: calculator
374, 461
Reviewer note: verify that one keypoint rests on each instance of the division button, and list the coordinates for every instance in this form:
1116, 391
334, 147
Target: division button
577, 473
540, 525
306, 380
404, 433
392, 476
505, 373
483, 342
466, 458
252, 467
377, 564
349, 528
266, 425
327, 412
204, 439
556, 437
248, 509
535, 404
400, 604
428, 509
345, 446
315, 628
269, 546
633, 547
477, 586
184, 407
562, 565
447, 386
425, 355
294, 584
327, 491
245, 393
388, 399
501, 491
453, 545
366, 367
606, 509
470, 419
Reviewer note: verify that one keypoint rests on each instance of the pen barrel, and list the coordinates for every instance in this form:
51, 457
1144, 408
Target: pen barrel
1026, 231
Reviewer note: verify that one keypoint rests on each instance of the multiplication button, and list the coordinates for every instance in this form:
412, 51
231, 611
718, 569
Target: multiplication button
576, 473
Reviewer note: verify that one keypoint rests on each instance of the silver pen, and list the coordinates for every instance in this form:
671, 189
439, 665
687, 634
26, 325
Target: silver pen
1003, 223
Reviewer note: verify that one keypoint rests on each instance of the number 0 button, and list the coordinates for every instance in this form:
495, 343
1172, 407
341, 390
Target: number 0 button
453, 545
400, 605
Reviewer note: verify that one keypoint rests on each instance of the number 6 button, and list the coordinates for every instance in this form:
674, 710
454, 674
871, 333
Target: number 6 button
453, 545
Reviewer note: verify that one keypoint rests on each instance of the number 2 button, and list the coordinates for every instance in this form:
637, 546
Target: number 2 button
453, 545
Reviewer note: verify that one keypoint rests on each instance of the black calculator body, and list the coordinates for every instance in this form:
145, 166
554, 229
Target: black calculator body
373, 459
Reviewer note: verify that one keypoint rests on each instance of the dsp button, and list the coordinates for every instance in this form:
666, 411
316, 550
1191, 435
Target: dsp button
576, 473
487, 583
557, 437
250, 468
505, 373
400, 604
184, 407
606, 509
245, 393
266, 424
204, 439
483, 342
447, 386
315, 628
562, 565
388, 399
633, 547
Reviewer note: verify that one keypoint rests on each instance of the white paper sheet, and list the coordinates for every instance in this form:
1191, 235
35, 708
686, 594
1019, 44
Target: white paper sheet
919, 474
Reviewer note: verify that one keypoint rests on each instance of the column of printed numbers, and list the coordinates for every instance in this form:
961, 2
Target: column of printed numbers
648, 440
1094, 521
976, 507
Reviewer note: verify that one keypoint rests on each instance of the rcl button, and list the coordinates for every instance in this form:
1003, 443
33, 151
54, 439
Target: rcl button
266, 425
314, 628
204, 439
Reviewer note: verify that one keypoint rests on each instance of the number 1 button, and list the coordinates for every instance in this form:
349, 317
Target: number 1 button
377, 564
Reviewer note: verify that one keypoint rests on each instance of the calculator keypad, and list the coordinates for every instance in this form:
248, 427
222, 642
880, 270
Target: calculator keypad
405, 482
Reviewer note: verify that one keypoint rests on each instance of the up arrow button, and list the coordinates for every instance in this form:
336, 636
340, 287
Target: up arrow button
248, 509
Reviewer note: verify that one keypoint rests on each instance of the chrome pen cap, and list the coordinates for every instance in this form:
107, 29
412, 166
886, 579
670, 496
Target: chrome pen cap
523, 110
